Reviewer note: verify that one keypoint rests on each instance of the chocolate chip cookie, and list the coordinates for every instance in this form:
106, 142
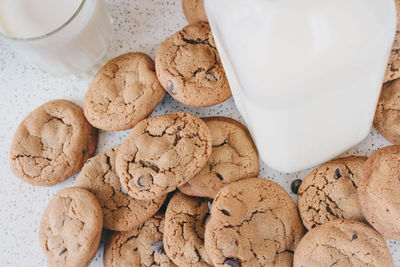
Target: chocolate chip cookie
163, 153
378, 191
234, 156
194, 10
189, 67
330, 192
121, 211
70, 228
387, 116
139, 247
342, 243
253, 222
185, 221
125, 91
52, 143
393, 68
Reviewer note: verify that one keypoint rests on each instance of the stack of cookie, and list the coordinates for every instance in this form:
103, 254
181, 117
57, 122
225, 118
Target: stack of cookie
180, 190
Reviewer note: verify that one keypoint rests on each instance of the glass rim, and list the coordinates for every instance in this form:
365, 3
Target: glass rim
43, 36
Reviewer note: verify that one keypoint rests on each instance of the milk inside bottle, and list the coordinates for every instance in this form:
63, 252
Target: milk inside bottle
305, 74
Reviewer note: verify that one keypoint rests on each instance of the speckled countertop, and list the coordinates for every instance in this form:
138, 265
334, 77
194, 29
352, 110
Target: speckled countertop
140, 25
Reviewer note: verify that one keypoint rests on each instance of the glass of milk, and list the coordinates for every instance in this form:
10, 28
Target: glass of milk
61, 37
305, 74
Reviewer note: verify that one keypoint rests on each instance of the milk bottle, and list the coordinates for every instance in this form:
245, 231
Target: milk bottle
305, 74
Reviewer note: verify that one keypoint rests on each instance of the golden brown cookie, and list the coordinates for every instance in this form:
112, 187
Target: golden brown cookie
70, 228
234, 156
125, 91
194, 11
139, 247
185, 220
253, 222
330, 192
121, 211
378, 191
190, 69
387, 116
342, 243
163, 153
393, 68
52, 143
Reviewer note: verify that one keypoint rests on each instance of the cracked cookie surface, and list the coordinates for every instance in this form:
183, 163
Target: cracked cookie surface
139, 247
190, 69
378, 191
52, 143
253, 222
393, 68
342, 243
185, 221
125, 91
163, 153
234, 156
330, 192
121, 211
70, 228
194, 11
387, 116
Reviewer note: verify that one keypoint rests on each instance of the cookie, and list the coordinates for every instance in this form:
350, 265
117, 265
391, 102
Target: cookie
378, 191
234, 156
393, 68
125, 91
194, 10
139, 247
253, 222
163, 153
121, 211
387, 116
70, 228
342, 243
190, 69
185, 221
52, 143
330, 192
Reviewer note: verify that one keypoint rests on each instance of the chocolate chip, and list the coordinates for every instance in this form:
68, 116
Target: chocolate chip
232, 262
290, 251
158, 247
143, 181
84, 152
139, 182
209, 203
135, 249
211, 77
354, 237
337, 175
225, 212
63, 251
220, 176
295, 186
171, 88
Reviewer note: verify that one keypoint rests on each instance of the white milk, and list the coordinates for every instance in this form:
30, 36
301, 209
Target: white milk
305, 74
73, 49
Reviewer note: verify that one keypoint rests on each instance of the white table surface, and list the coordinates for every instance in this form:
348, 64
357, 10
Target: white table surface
140, 25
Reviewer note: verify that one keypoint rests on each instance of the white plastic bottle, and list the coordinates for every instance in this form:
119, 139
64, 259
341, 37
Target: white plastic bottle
305, 74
